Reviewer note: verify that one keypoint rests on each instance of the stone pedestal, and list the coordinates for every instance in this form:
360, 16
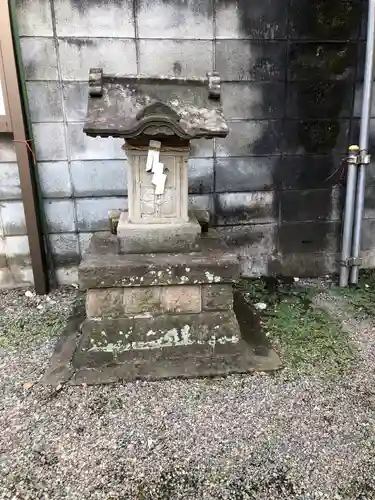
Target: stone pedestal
160, 315
158, 237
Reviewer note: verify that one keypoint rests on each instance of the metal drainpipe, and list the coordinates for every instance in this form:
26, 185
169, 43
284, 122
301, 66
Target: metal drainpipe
348, 215
364, 158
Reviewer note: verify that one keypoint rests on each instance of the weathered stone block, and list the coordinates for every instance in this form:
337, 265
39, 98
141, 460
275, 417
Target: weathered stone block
217, 297
103, 267
114, 302
156, 238
141, 300
181, 299
150, 339
105, 302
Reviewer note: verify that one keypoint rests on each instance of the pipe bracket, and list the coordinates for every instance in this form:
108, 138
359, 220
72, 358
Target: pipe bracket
352, 261
364, 158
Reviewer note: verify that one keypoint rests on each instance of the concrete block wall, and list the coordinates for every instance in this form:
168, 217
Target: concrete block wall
291, 72
15, 264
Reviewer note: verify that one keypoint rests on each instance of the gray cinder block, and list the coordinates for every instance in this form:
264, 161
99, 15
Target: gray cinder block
92, 214
99, 178
39, 58
60, 216
78, 55
175, 57
100, 18
49, 141
54, 179
158, 19
45, 101
10, 188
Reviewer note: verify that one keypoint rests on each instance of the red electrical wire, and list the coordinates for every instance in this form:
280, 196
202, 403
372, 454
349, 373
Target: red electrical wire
29, 148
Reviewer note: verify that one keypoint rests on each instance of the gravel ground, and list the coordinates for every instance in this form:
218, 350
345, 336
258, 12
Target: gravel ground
242, 437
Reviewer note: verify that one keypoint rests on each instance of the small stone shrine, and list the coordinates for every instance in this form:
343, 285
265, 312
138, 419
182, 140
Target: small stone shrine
159, 292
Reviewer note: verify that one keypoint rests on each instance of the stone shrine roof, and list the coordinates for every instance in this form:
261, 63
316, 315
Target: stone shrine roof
130, 106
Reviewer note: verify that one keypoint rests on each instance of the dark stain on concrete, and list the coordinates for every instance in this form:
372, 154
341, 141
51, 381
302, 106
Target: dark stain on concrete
83, 6
204, 8
259, 18
81, 42
177, 68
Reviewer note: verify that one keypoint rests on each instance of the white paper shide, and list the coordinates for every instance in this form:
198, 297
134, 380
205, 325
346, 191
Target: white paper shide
154, 166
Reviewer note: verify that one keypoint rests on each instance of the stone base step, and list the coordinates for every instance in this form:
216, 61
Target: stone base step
186, 363
205, 344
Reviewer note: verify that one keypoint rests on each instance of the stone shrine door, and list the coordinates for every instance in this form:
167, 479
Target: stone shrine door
145, 206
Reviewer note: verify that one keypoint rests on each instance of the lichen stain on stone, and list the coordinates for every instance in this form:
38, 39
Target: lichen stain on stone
170, 338
211, 278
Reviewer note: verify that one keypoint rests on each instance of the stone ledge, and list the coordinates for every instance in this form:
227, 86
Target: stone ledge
146, 238
114, 302
103, 267
112, 339
236, 359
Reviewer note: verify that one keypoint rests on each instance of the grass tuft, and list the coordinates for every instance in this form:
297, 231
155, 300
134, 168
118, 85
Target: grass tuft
307, 338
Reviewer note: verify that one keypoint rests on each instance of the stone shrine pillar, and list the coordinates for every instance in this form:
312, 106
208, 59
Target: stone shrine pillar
159, 293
